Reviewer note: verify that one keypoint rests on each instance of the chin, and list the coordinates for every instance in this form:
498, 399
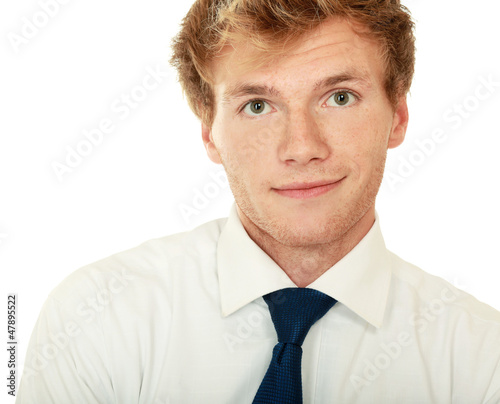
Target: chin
300, 233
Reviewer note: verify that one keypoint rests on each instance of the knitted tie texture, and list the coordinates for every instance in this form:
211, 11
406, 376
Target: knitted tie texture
293, 311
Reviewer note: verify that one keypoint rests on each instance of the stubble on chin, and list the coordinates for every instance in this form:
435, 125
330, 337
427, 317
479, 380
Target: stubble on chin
266, 224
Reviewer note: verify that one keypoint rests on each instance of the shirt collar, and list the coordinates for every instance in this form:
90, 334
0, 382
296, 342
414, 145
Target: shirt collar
360, 280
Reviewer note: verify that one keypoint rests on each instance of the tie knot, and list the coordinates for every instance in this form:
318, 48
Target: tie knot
295, 310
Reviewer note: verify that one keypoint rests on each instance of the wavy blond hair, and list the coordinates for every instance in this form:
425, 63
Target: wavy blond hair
272, 27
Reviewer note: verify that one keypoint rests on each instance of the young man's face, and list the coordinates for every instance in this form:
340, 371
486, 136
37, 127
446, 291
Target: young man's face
304, 139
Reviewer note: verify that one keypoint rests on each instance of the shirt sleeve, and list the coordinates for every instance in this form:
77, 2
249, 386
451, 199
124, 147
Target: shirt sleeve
66, 360
493, 394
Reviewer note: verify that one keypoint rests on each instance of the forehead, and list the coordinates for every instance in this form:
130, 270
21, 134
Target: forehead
333, 48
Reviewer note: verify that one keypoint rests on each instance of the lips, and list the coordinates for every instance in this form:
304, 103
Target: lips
305, 190
305, 185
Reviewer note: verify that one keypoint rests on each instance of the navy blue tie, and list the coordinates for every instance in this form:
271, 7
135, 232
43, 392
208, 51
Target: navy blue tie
293, 311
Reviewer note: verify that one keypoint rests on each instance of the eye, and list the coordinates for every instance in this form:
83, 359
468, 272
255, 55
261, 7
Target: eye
257, 107
341, 99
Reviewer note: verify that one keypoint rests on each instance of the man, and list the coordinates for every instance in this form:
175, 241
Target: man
299, 100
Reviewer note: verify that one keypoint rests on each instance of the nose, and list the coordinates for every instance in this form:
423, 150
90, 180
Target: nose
303, 140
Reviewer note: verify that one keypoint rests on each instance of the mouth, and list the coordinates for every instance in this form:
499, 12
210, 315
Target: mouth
303, 190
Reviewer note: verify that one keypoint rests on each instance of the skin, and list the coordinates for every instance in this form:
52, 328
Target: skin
301, 134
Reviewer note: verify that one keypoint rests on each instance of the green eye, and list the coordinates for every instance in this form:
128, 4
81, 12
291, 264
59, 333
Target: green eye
341, 99
257, 107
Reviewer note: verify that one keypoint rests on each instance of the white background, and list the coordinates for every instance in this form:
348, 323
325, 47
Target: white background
443, 216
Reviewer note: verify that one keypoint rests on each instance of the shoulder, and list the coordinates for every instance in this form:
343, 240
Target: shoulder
431, 294
459, 335
147, 266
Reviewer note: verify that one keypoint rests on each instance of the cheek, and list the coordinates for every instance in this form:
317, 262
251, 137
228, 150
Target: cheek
244, 148
361, 141
251, 142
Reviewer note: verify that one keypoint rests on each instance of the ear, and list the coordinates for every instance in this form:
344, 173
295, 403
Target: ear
206, 134
399, 124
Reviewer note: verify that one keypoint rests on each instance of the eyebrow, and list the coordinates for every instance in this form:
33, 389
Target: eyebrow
241, 89
332, 81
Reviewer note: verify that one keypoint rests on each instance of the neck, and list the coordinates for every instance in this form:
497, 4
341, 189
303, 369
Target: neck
305, 264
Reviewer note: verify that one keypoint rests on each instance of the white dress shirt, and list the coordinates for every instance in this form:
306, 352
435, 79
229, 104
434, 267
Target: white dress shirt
181, 319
